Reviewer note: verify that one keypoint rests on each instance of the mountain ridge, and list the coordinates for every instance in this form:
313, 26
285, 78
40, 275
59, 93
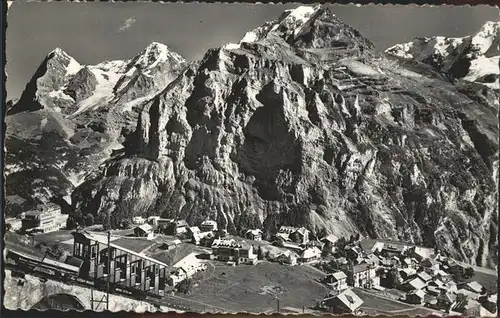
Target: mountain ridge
310, 128
474, 58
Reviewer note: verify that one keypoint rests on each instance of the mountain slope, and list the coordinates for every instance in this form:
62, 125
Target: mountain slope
71, 118
473, 58
304, 123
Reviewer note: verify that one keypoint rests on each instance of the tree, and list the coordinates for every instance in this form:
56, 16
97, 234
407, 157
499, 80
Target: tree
71, 223
185, 286
280, 242
457, 273
88, 220
125, 224
380, 272
160, 229
469, 272
327, 248
260, 253
392, 278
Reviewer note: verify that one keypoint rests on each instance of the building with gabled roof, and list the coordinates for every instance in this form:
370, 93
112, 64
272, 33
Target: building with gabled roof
144, 230
413, 284
424, 276
186, 268
416, 297
208, 225
337, 281
232, 250
287, 258
361, 275
310, 254
346, 302
298, 235
473, 287
255, 234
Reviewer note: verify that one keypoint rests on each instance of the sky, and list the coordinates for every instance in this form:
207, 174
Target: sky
99, 31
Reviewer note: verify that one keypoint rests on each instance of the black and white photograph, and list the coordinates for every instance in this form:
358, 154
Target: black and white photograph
251, 158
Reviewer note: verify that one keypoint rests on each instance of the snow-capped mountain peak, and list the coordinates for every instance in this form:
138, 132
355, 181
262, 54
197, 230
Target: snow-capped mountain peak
155, 53
473, 58
71, 65
292, 20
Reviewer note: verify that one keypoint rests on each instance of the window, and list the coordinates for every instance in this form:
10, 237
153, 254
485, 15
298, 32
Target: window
93, 252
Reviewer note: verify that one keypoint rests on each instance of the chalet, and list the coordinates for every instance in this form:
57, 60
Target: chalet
489, 302
231, 250
193, 231
314, 243
329, 242
474, 287
416, 297
407, 273
424, 276
392, 250
198, 236
395, 261
442, 276
138, 220
413, 284
377, 247
336, 281
13, 224
449, 286
124, 268
287, 258
255, 235
420, 253
180, 227
409, 262
310, 254
354, 253
153, 220
186, 268
346, 302
371, 259
430, 263
144, 230
208, 225
466, 292
435, 282
445, 300
297, 235
342, 261
361, 275
433, 290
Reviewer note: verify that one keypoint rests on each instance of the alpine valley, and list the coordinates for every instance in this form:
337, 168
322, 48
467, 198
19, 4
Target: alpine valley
303, 122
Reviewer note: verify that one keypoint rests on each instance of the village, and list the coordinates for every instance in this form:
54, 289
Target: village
203, 267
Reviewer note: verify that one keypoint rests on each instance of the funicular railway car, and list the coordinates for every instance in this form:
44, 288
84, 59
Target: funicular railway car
56, 269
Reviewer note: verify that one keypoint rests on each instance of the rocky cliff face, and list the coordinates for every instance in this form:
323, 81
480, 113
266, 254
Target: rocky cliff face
474, 58
71, 118
302, 122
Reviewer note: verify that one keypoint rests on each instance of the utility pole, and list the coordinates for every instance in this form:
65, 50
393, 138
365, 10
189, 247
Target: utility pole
109, 265
277, 305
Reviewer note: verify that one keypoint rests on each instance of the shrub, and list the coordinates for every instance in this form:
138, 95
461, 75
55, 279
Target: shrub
185, 286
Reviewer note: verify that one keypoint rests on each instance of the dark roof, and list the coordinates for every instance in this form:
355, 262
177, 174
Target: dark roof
360, 268
73, 261
181, 223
